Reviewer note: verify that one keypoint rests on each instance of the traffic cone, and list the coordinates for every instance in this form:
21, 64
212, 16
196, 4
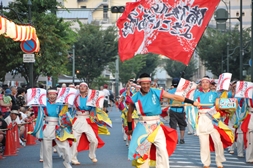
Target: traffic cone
30, 140
10, 149
16, 136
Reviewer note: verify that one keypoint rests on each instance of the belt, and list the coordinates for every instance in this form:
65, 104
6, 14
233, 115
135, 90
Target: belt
149, 118
83, 113
203, 111
51, 120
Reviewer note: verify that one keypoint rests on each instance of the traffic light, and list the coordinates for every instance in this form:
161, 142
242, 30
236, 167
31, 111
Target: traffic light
105, 8
77, 71
117, 9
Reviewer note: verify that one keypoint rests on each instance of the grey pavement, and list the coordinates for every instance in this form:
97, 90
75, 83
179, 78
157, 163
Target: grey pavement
114, 154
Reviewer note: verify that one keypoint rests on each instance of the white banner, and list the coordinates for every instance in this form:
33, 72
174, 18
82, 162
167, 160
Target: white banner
66, 95
95, 98
186, 88
244, 89
224, 81
36, 96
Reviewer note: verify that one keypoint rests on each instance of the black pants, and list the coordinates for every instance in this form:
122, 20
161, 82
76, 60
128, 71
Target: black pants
177, 119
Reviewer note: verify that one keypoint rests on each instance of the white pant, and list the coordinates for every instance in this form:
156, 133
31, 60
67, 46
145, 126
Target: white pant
204, 129
48, 137
41, 150
205, 150
249, 149
81, 126
162, 158
240, 142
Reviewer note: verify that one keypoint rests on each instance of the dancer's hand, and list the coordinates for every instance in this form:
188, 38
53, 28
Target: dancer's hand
196, 104
129, 132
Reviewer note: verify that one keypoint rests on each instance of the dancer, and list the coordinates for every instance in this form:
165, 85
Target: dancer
150, 137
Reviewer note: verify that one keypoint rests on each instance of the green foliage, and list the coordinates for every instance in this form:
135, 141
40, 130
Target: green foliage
212, 49
98, 82
137, 65
151, 62
175, 69
95, 48
55, 38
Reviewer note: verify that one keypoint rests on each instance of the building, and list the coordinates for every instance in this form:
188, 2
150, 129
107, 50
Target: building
233, 7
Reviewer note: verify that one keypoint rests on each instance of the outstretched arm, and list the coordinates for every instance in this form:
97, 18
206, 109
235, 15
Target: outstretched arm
179, 98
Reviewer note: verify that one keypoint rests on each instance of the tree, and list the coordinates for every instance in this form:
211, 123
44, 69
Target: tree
151, 62
95, 48
54, 34
137, 65
175, 69
212, 49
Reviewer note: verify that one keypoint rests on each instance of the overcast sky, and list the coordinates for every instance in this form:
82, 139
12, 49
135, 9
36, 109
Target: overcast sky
5, 2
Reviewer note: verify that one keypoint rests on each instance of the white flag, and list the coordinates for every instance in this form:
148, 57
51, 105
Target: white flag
186, 88
36, 96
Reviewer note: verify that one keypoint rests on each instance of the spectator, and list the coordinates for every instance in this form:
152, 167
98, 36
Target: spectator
5, 103
111, 97
63, 85
106, 101
3, 125
13, 98
12, 118
21, 97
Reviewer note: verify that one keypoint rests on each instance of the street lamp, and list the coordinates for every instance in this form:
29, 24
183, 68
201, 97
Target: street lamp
29, 3
73, 64
218, 18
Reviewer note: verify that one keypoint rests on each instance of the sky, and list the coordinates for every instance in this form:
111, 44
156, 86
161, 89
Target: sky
5, 2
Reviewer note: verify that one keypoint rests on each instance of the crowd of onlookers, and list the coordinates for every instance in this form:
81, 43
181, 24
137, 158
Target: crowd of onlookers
13, 110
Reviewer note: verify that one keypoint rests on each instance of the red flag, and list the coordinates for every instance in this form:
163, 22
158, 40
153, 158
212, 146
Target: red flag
168, 27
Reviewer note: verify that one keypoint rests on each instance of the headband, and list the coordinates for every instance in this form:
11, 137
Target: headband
83, 83
52, 91
145, 79
209, 80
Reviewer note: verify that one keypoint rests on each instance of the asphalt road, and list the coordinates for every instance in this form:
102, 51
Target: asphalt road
114, 154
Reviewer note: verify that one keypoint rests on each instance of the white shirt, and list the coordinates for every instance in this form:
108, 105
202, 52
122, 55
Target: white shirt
8, 120
107, 94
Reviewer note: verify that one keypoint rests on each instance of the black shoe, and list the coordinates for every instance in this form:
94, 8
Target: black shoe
181, 141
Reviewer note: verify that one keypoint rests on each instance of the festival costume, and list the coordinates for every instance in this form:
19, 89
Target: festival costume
247, 129
151, 140
123, 107
86, 129
217, 136
51, 131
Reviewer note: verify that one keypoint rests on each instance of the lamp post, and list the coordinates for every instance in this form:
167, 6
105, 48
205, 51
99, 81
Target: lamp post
241, 47
117, 9
73, 64
117, 77
29, 3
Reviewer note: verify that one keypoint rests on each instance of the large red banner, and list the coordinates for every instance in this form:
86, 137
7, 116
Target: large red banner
171, 28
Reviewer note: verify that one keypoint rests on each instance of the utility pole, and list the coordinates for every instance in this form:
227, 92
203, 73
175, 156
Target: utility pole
73, 64
241, 47
29, 3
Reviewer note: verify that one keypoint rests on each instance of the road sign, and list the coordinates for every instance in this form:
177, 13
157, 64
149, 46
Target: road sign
250, 62
27, 58
28, 46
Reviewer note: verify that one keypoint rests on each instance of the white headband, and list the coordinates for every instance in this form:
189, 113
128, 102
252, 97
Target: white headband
209, 80
145, 79
83, 83
52, 91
